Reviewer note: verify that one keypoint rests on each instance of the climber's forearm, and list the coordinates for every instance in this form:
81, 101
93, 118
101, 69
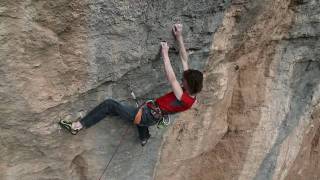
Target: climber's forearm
168, 69
177, 31
176, 88
182, 50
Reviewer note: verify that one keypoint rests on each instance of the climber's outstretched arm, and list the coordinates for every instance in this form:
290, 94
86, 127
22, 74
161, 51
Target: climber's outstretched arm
176, 88
177, 31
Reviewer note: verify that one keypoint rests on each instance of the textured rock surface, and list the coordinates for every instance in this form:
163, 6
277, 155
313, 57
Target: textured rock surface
260, 121
65, 56
257, 118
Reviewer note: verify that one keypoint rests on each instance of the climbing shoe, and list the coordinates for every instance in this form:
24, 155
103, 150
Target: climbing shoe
145, 140
68, 126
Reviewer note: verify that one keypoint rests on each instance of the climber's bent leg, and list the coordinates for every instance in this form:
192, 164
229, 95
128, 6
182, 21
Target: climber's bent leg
108, 107
144, 134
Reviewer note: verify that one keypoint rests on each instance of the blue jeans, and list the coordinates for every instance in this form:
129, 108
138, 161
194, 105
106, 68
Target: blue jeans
114, 108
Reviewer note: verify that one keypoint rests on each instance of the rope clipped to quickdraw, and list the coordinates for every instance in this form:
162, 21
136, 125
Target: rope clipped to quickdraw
132, 94
123, 135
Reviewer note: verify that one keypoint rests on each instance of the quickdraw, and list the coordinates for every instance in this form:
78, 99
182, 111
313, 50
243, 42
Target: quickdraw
164, 122
164, 118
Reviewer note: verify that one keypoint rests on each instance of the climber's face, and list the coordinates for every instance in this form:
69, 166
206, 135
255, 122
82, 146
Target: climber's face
185, 84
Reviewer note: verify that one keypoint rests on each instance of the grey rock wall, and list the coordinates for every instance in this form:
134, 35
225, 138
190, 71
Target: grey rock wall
257, 117
62, 57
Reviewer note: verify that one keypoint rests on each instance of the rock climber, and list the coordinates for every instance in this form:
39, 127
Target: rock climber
150, 113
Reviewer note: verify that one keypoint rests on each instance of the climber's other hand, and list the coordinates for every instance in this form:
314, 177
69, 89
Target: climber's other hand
164, 48
177, 30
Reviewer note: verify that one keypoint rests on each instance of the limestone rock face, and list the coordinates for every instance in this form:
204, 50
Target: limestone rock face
258, 116
59, 58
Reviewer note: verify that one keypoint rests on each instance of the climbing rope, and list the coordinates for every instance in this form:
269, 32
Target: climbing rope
123, 135
115, 152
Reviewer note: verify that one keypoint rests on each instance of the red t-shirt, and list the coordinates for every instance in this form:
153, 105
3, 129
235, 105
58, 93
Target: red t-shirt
169, 102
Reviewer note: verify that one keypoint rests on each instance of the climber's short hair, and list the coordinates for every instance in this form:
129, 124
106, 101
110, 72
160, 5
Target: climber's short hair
194, 80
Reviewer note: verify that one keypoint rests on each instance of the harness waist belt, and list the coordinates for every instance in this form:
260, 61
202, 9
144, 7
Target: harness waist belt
155, 110
137, 118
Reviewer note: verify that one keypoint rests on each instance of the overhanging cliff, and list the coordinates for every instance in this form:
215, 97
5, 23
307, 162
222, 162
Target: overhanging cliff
257, 118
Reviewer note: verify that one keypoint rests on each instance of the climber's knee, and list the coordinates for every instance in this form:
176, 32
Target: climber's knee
110, 102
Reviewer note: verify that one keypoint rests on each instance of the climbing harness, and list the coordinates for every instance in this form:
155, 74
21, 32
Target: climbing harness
162, 116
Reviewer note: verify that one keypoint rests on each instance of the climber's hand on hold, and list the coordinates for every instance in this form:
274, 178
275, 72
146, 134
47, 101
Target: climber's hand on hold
164, 49
177, 30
